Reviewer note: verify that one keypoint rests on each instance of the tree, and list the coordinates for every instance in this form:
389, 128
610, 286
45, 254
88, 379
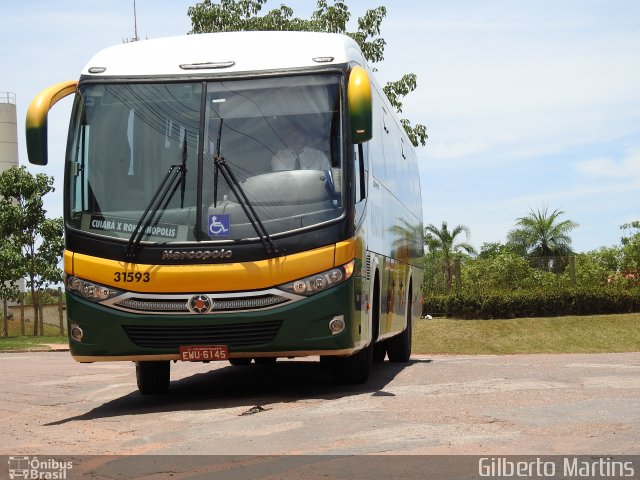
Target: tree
598, 268
504, 271
240, 15
10, 273
494, 249
631, 245
444, 241
542, 234
24, 228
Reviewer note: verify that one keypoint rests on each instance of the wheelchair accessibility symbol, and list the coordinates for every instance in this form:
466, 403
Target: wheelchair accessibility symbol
219, 225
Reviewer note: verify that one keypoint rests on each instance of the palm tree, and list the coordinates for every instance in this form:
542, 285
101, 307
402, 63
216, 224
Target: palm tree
542, 234
444, 241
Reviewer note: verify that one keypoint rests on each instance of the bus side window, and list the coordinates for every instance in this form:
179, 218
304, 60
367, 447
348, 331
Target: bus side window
390, 151
402, 170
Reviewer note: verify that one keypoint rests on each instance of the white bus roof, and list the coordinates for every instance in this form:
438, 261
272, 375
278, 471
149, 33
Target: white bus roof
228, 51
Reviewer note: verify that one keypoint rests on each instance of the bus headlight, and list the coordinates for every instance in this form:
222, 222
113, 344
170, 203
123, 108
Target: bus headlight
320, 281
91, 291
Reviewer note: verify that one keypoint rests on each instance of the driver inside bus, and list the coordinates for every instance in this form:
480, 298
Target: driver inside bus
297, 155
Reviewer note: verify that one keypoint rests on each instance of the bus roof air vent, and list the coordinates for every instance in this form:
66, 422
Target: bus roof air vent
97, 69
322, 59
207, 65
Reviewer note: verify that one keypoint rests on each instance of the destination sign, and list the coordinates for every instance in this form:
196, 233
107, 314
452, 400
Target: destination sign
114, 224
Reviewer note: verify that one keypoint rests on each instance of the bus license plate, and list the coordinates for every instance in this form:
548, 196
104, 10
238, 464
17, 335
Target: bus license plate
199, 353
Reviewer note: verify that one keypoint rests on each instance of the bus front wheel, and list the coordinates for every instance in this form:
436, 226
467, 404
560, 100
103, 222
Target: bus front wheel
354, 369
237, 362
153, 377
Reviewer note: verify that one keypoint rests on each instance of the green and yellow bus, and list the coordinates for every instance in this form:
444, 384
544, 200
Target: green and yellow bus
197, 231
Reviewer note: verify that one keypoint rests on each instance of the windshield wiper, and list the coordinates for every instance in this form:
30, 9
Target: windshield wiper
174, 178
222, 166
183, 172
216, 168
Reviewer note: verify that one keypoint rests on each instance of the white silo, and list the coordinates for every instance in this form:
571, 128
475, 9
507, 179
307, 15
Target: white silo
9, 143
8, 131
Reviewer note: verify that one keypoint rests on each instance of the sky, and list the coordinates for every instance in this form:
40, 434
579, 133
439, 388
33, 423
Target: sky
528, 104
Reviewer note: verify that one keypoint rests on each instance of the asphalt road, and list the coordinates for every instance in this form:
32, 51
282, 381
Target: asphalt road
481, 405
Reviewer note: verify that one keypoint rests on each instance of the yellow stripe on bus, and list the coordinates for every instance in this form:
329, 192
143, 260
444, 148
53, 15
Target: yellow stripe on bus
223, 277
345, 252
68, 262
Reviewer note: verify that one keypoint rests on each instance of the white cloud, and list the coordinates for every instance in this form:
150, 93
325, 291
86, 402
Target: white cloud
606, 167
517, 82
447, 150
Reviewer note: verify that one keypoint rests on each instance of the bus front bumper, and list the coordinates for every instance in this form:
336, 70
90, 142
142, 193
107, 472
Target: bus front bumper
296, 330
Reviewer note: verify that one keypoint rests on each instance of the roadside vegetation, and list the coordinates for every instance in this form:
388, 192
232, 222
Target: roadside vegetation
532, 294
534, 274
31, 244
571, 334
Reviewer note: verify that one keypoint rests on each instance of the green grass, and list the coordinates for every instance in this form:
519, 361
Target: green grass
574, 334
29, 343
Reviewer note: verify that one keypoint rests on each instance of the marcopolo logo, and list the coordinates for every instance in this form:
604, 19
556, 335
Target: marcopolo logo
35, 468
200, 304
196, 255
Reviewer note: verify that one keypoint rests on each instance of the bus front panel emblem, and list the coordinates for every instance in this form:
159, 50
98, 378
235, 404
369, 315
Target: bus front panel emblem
200, 304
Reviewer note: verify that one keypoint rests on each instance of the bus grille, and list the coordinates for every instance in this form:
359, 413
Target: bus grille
233, 335
178, 304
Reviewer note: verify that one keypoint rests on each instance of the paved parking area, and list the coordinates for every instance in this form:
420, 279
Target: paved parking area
484, 405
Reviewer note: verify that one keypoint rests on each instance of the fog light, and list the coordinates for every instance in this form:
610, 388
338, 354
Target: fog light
76, 332
336, 325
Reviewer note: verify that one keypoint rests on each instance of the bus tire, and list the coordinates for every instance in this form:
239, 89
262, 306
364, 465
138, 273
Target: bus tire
153, 377
379, 351
399, 347
265, 360
354, 369
379, 348
236, 362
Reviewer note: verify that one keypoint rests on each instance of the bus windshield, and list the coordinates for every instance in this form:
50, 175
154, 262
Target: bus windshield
273, 143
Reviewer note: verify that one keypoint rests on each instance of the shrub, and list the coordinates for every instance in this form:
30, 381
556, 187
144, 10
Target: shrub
535, 302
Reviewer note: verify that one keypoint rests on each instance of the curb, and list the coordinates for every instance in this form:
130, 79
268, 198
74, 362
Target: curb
45, 348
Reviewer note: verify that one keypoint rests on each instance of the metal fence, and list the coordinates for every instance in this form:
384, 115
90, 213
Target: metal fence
8, 97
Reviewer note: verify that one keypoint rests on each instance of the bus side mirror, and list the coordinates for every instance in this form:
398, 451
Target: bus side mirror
36, 122
360, 105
